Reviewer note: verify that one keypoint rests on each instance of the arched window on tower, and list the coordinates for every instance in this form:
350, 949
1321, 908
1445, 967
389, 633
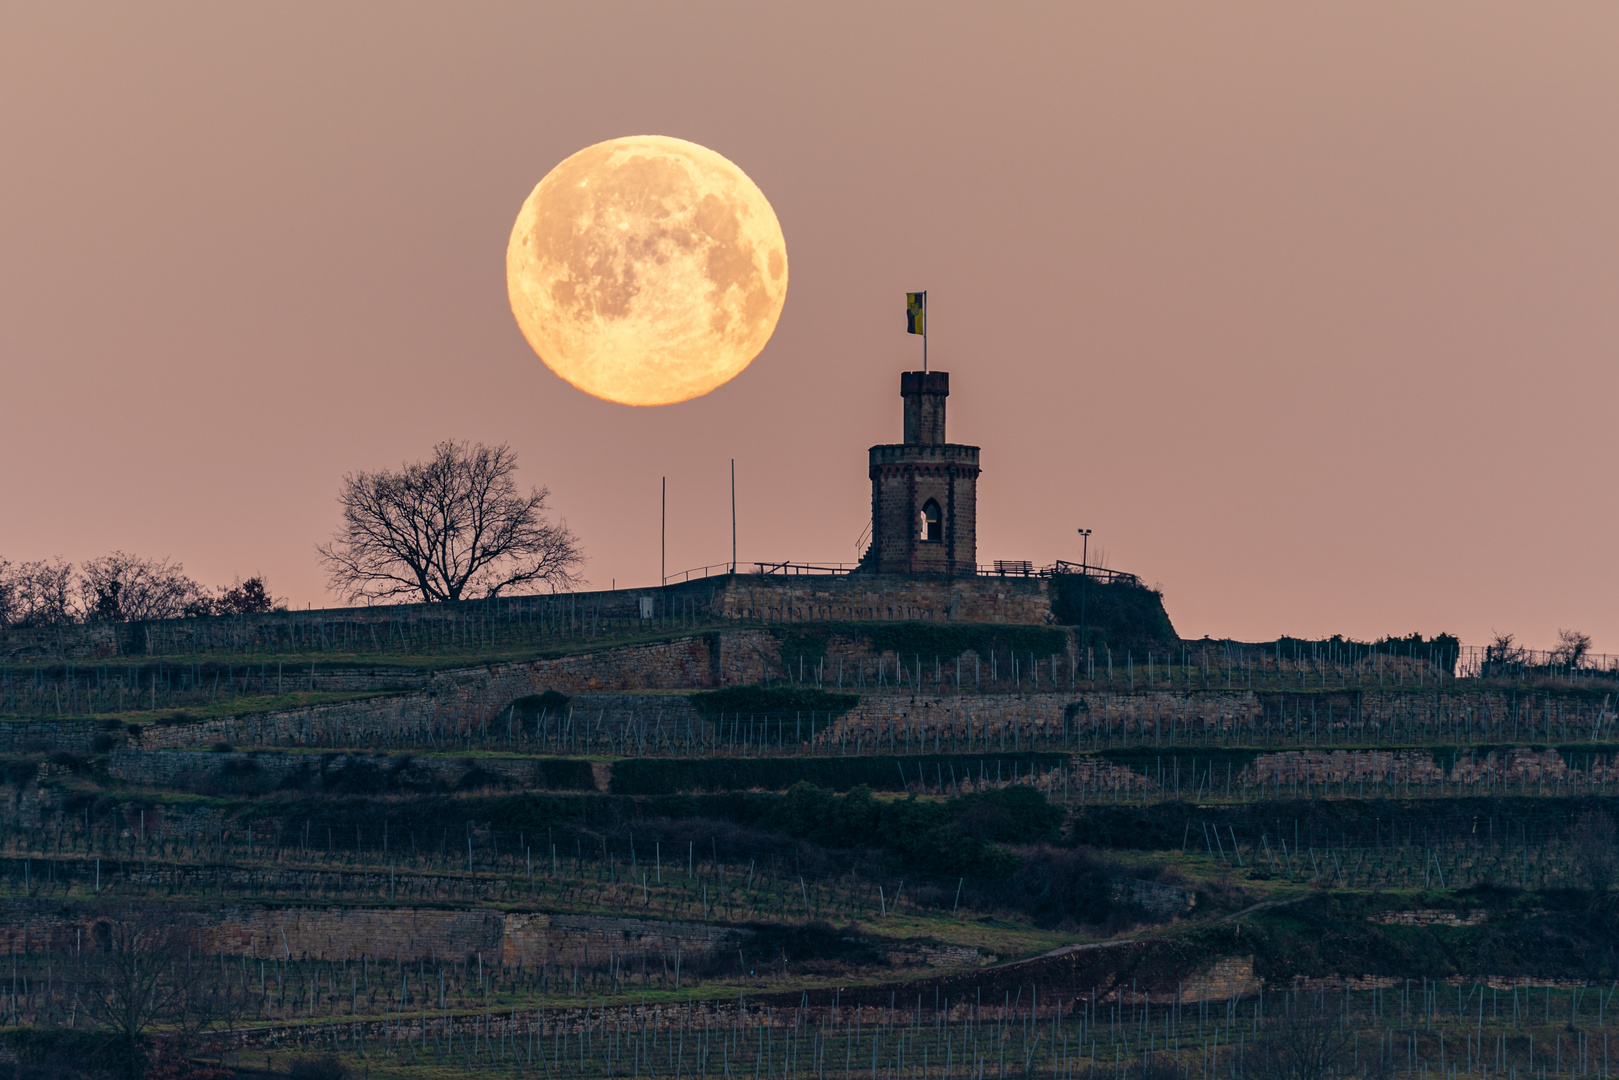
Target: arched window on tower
931, 525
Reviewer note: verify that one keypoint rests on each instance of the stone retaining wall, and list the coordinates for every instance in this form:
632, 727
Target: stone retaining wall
398, 933
1186, 774
1522, 768
885, 598
1167, 716
509, 938
760, 598
1153, 896
600, 721
252, 772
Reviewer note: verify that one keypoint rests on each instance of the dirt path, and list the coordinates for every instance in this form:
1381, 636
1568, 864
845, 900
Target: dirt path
1087, 946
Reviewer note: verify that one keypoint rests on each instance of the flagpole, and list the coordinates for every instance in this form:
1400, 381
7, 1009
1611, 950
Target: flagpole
916, 311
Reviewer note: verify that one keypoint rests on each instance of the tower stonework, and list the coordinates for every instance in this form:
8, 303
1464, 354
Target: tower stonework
924, 491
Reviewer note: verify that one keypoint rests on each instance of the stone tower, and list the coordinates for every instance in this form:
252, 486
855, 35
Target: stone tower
924, 491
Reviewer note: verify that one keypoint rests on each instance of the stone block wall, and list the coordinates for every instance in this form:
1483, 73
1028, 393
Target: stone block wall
337, 933
904, 479
1171, 717
1175, 773
885, 598
240, 772
729, 597
597, 722
433, 935
535, 938
532, 939
1229, 977
1153, 896
903, 707
1522, 768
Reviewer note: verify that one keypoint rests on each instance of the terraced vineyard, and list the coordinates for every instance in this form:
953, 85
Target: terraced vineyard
542, 844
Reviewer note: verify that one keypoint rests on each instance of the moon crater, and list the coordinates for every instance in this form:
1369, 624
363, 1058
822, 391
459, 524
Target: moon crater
646, 270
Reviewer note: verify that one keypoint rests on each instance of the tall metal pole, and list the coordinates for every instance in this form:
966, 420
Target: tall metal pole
663, 535
924, 331
733, 515
1084, 579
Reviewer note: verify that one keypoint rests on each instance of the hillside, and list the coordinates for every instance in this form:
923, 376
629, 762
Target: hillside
575, 841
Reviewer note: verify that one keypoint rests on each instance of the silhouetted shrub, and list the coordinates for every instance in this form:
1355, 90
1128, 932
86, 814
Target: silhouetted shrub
1122, 615
1012, 815
1061, 887
530, 710
321, 1067
245, 597
772, 701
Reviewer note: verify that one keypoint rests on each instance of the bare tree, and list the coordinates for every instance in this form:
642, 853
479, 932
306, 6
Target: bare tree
136, 978
1503, 649
128, 588
229, 1001
1306, 1041
8, 594
1572, 648
451, 528
117, 588
1503, 656
37, 593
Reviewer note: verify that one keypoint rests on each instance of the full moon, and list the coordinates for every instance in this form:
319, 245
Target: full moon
646, 270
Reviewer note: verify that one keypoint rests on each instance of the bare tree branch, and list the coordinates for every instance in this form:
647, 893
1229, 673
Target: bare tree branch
37, 594
127, 588
452, 528
137, 976
1572, 648
1306, 1040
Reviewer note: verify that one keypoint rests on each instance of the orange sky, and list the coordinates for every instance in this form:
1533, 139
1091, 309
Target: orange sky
1308, 310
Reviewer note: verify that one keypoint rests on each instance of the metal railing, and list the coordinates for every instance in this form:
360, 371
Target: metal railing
999, 568
716, 569
713, 569
1527, 665
1023, 568
1109, 576
805, 568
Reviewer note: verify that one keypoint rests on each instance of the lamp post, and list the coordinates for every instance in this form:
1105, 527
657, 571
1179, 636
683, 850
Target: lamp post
1084, 577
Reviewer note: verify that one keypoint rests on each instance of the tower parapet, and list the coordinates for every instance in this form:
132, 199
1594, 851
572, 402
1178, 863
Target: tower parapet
924, 491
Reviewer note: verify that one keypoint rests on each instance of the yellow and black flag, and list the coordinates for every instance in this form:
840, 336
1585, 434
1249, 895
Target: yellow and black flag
916, 313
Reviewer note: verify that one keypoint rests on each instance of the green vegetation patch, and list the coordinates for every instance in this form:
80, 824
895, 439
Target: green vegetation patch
1552, 934
882, 772
216, 710
1340, 824
958, 836
771, 701
928, 639
917, 638
930, 836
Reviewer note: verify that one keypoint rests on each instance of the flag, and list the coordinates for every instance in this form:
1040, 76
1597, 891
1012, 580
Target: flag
916, 313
